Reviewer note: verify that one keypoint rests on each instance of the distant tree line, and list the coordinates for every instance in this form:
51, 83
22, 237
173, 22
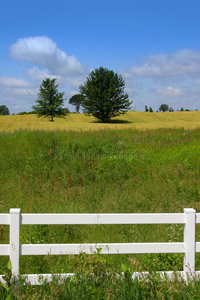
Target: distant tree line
26, 113
163, 108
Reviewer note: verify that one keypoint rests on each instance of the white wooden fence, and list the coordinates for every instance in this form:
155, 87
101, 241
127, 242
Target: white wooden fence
188, 247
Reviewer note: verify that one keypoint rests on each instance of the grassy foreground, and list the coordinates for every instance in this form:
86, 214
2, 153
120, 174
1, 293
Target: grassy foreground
116, 171
97, 284
80, 122
107, 171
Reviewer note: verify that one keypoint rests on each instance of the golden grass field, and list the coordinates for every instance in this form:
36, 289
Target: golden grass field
81, 122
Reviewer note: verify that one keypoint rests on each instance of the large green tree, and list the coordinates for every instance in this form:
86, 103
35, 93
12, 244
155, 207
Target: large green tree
104, 96
77, 101
4, 110
50, 101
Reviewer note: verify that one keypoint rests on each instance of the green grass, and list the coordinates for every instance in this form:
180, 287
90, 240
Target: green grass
105, 171
95, 278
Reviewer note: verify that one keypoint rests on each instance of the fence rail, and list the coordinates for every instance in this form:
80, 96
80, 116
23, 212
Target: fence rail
15, 219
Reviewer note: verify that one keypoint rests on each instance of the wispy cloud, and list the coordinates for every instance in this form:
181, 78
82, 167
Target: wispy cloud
14, 82
170, 92
183, 62
17, 86
25, 92
197, 82
38, 75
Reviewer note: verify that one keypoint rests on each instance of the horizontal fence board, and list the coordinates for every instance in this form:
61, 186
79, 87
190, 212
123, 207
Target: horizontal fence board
37, 279
197, 217
4, 249
5, 219
34, 219
113, 248
197, 246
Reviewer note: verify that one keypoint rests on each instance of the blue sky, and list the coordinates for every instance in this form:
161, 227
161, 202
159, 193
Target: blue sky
153, 44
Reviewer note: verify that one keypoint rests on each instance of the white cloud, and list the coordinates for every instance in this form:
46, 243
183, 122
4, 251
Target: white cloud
25, 92
42, 51
126, 75
17, 87
48, 61
39, 75
128, 82
14, 82
128, 90
76, 81
19, 91
72, 93
183, 62
170, 92
197, 82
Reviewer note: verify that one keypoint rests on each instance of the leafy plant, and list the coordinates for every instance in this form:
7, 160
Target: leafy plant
5, 291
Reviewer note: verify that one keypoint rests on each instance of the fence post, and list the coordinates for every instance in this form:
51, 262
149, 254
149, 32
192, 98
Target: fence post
189, 240
15, 239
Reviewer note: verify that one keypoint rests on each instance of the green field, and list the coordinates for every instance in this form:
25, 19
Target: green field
104, 171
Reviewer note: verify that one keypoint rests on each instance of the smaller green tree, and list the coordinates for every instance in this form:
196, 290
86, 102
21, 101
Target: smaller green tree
4, 110
50, 101
76, 100
164, 107
150, 109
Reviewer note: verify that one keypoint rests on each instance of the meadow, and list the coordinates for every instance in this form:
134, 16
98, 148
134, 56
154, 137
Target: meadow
81, 122
110, 168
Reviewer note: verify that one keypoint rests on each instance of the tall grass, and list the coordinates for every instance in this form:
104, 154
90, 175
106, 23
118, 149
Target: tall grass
105, 171
97, 279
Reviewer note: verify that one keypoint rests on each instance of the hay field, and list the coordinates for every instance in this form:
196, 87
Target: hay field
81, 122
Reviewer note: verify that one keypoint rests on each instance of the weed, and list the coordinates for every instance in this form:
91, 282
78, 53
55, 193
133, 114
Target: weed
6, 288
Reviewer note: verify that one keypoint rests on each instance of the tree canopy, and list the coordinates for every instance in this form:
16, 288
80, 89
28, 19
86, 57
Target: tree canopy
50, 101
77, 101
104, 96
164, 107
4, 110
